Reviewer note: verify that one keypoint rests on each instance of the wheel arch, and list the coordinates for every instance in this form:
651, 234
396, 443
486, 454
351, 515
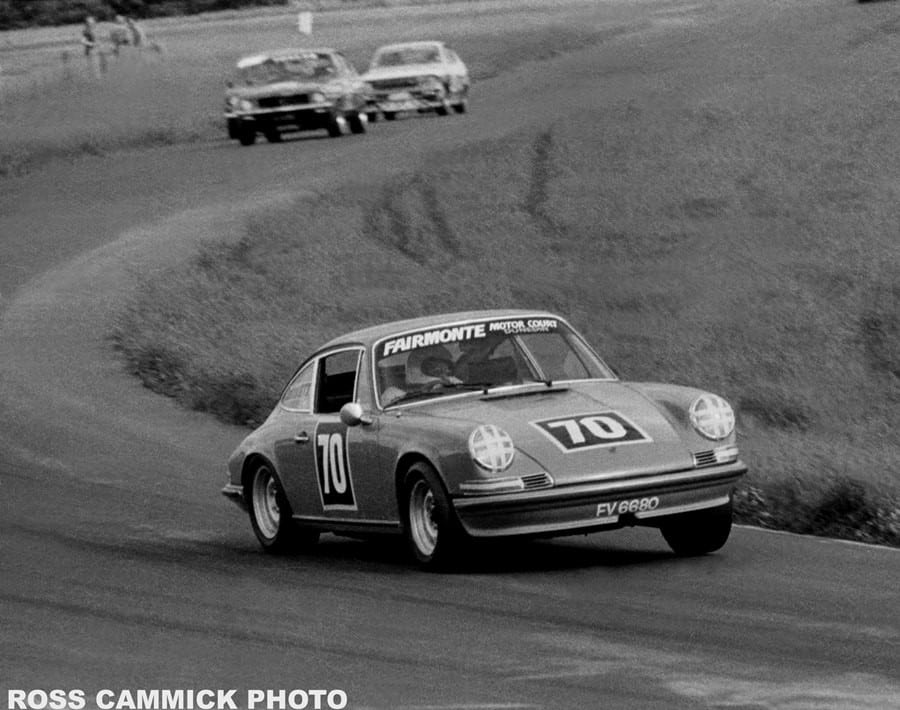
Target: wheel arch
406, 460
247, 468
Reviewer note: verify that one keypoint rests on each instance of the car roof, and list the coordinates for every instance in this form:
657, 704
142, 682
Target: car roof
410, 45
258, 58
371, 334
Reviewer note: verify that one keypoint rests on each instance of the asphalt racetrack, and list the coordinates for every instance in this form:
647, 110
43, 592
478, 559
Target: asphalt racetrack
123, 568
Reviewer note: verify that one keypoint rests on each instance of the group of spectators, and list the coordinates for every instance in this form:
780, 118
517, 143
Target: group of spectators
125, 32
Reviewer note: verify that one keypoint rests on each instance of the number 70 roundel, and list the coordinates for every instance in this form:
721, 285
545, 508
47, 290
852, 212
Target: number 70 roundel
333, 467
592, 430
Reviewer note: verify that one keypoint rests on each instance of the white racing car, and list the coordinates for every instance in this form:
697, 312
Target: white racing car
416, 77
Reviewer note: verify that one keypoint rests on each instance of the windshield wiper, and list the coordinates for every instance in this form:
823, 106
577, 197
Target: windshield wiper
437, 391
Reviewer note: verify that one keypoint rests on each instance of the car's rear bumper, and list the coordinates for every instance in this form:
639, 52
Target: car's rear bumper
646, 500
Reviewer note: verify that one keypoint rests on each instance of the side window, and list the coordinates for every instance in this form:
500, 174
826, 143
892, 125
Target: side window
298, 394
337, 380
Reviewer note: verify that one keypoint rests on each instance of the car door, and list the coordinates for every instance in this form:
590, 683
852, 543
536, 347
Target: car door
331, 471
294, 427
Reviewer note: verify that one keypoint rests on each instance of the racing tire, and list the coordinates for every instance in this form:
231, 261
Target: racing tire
462, 106
273, 135
357, 122
335, 126
270, 513
372, 116
695, 534
247, 136
443, 109
433, 533
389, 115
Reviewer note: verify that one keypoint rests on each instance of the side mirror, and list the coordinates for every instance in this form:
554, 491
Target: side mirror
352, 414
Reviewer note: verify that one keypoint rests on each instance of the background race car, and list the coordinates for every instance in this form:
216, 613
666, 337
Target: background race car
417, 77
294, 90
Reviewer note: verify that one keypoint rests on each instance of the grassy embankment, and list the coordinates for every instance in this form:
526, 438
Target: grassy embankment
742, 245
748, 247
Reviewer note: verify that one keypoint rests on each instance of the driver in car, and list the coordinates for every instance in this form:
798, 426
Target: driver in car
425, 368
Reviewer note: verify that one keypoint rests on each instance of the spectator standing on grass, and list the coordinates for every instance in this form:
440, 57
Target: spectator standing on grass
120, 34
89, 35
137, 32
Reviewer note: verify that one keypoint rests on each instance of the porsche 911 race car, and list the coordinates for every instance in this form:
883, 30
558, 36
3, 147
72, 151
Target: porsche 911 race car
416, 77
483, 424
295, 90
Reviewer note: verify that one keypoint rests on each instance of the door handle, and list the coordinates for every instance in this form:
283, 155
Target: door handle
301, 438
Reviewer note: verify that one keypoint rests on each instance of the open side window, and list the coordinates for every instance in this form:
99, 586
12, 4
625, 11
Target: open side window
337, 380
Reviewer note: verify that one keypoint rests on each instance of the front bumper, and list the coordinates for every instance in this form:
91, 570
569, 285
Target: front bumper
303, 116
235, 494
400, 102
646, 500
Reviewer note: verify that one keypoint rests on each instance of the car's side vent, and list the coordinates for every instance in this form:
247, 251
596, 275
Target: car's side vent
705, 458
537, 480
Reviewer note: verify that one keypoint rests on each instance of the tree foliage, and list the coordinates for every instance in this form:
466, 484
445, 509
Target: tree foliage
15, 14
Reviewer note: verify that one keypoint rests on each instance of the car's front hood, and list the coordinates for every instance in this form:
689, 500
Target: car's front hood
282, 88
403, 72
581, 430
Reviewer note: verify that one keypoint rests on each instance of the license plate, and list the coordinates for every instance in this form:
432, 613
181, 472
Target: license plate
629, 505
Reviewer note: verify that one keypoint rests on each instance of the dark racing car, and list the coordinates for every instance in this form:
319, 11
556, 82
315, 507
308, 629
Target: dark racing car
481, 425
294, 90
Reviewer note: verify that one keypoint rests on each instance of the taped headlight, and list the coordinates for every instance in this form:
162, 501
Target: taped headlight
233, 101
491, 448
712, 416
246, 105
317, 97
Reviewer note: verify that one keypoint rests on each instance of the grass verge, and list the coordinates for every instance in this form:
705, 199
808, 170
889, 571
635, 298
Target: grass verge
683, 250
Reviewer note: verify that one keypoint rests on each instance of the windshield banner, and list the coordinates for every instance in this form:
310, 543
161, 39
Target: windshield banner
462, 333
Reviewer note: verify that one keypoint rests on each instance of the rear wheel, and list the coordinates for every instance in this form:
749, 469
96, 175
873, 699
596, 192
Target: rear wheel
270, 513
432, 532
273, 135
700, 533
389, 115
462, 106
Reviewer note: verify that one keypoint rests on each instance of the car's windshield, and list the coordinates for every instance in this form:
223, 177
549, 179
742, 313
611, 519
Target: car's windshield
402, 56
300, 67
443, 360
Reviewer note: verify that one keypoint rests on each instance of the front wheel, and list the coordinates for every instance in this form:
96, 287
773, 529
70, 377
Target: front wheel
247, 136
357, 122
270, 513
335, 126
694, 534
433, 534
